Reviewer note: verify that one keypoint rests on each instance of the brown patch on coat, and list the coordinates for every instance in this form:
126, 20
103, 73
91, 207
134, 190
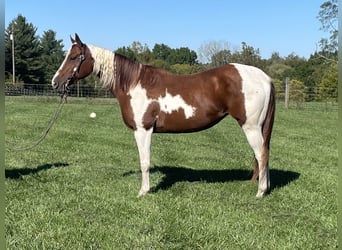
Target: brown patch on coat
151, 115
214, 93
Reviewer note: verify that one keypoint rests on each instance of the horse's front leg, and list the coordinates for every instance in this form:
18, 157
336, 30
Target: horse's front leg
143, 139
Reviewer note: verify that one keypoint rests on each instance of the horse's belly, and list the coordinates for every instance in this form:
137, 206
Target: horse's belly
176, 122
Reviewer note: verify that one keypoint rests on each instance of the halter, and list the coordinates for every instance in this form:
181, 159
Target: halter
76, 69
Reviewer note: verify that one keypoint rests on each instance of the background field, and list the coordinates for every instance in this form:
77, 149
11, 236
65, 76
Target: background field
77, 189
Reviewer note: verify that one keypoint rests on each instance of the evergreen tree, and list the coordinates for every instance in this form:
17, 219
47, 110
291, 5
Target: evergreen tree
27, 54
52, 54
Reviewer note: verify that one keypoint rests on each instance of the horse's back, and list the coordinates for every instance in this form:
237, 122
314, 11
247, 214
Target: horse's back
252, 76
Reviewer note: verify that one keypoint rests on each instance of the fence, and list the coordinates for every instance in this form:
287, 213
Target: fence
289, 98
24, 89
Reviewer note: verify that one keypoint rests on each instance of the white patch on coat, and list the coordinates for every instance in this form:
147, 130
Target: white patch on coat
169, 104
139, 103
256, 87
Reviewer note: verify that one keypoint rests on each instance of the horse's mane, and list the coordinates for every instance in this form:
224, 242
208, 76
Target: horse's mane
115, 70
103, 64
127, 72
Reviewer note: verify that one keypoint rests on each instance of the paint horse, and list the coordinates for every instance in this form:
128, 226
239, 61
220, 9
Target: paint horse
154, 100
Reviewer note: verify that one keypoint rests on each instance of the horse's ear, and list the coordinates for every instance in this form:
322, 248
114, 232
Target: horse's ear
78, 40
72, 40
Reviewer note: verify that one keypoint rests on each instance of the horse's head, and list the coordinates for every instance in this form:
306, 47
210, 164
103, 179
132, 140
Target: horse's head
77, 64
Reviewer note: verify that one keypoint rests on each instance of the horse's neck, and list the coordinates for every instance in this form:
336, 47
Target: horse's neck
104, 65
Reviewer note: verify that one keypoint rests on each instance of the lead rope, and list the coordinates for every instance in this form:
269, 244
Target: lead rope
33, 143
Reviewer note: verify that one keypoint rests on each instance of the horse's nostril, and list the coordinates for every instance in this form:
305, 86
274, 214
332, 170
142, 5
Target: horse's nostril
54, 85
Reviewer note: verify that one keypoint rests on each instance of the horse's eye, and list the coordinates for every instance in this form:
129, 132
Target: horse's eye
72, 58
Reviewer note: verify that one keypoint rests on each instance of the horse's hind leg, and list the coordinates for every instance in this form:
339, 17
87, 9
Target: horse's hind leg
256, 141
255, 170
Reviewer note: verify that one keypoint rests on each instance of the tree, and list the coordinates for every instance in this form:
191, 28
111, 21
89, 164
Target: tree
161, 52
279, 86
27, 52
52, 54
279, 71
219, 53
143, 52
128, 52
221, 58
328, 17
181, 69
248, 55
327, 72
136, 52
299, 68
275, 58
327, 87
207, 51
159, 63
182, 55
297, 92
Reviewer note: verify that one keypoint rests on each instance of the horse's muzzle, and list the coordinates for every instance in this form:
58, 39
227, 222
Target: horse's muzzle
59, 86
54, 84
62, 86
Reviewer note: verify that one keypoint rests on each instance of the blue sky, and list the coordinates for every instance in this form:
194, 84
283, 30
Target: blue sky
289, 26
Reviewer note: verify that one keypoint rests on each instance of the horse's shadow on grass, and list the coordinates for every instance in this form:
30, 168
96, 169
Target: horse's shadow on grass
17, 173
173, 175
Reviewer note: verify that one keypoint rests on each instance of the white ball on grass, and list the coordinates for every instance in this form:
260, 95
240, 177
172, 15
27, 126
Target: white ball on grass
92, 115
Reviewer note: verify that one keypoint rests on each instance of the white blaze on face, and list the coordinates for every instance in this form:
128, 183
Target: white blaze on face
60, 68
167, 103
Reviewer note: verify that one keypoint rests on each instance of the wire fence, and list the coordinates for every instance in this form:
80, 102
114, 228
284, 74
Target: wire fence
294, 99
24, 89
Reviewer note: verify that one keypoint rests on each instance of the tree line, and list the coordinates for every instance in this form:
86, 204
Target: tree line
38, 58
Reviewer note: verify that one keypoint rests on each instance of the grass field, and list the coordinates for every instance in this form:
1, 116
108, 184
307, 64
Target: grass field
78, 188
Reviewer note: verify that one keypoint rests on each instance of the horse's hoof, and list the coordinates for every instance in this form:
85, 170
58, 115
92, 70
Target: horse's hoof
260, 194
142, 193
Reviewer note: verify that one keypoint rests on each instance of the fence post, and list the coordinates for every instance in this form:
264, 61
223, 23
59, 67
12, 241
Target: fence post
78, 89
287, 92
13, 60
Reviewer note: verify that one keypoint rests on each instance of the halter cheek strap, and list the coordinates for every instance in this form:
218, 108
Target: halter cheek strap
77, 69
82, 58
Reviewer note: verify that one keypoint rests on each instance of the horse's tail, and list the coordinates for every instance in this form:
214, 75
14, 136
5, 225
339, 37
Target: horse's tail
269, 119
267, 129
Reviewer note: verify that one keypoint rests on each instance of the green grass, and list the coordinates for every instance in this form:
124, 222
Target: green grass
78, 188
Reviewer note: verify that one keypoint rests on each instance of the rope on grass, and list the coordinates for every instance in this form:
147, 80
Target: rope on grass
35, 142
